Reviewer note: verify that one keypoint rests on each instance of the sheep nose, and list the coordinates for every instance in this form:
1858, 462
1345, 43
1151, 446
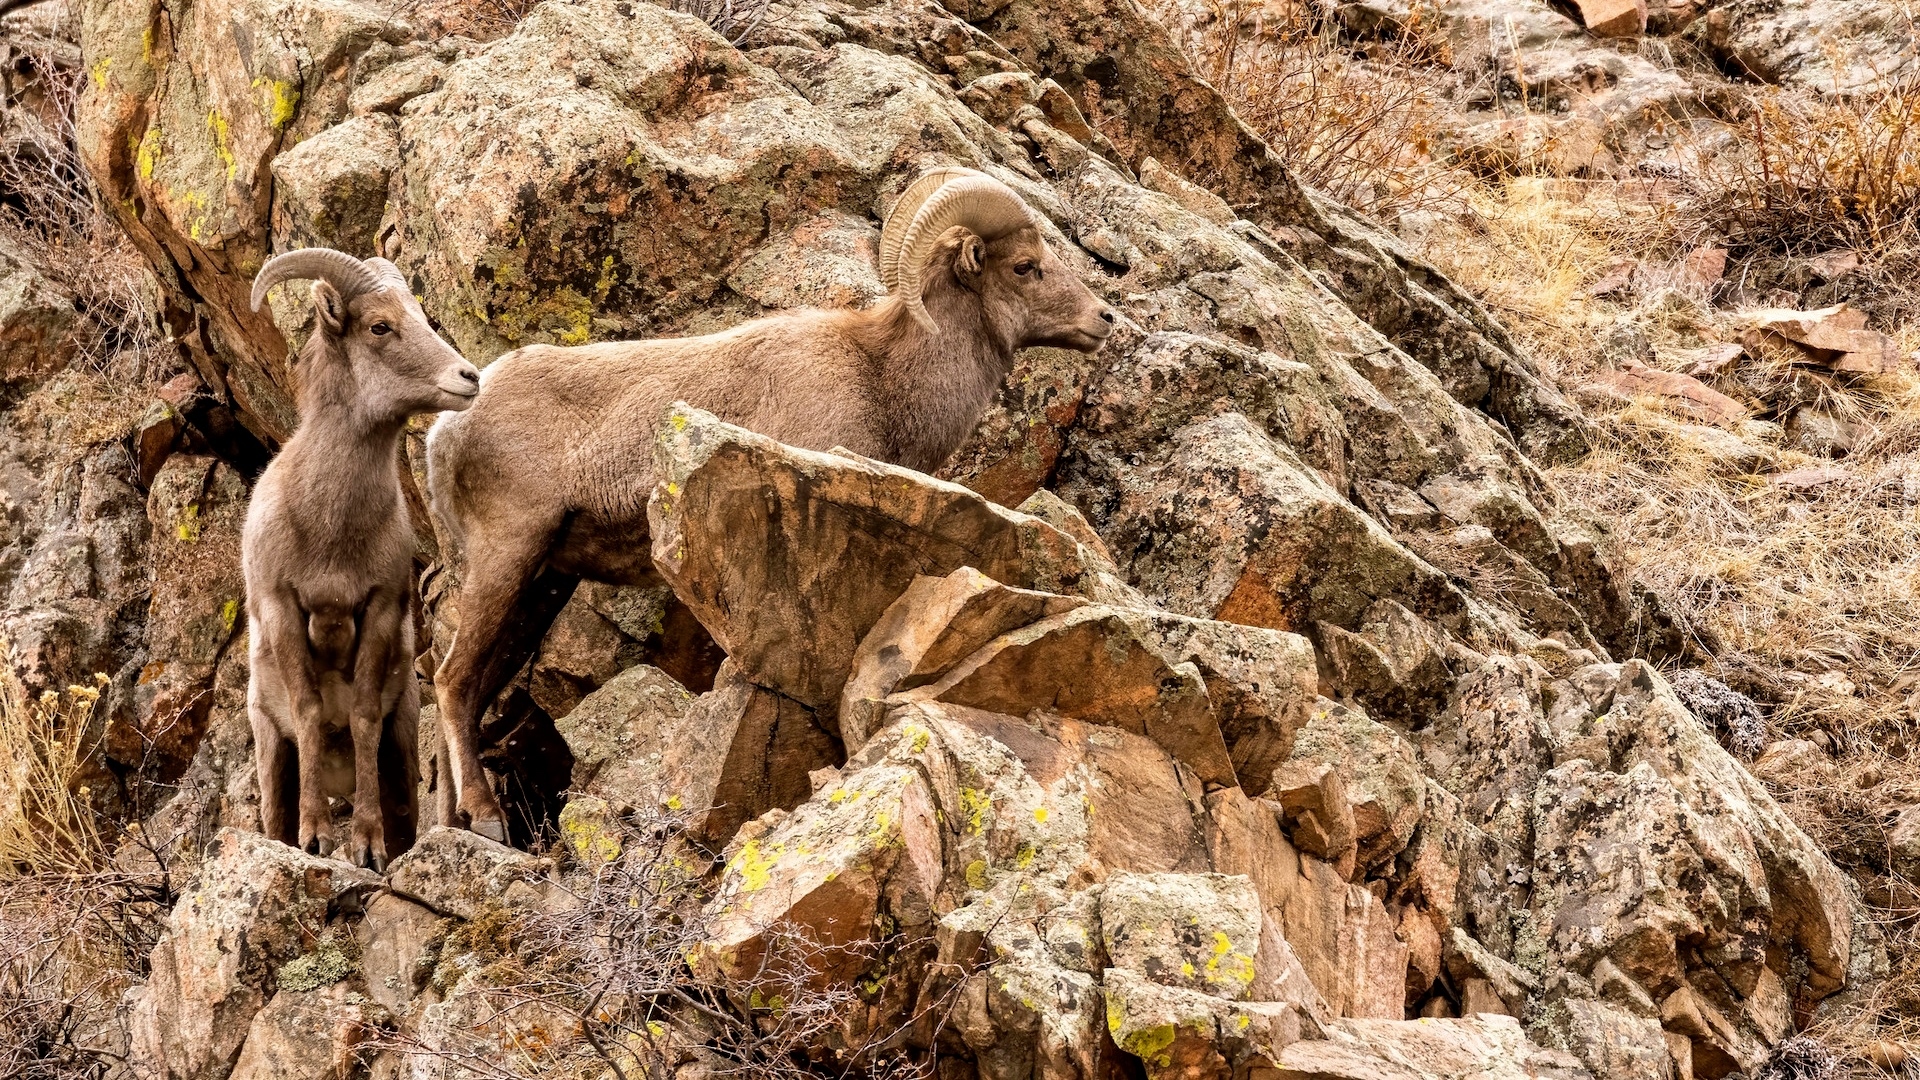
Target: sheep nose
471, 376
1106, 316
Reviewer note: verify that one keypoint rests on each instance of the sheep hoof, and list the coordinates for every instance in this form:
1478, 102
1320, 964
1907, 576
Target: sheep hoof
493, 829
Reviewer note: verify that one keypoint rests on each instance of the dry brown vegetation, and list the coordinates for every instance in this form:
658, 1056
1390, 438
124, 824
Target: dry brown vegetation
485, 20
50, 211
1804, 596
608, 975
1361, 124
75, 929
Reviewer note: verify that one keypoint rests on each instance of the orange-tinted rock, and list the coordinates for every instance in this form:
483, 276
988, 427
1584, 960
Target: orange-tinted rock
738, 751
935, 624
1834, 337
1683, 392
1315, 812
1613, 18
771, 546
1341, 934
1088, 664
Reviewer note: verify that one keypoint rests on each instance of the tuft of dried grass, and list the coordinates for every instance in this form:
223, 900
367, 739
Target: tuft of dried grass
46, 825
75, 931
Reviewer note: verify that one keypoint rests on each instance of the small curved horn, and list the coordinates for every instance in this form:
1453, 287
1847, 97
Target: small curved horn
931, 205
337, 268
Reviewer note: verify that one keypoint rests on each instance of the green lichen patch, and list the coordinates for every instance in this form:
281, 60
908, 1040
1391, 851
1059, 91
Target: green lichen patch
330, 961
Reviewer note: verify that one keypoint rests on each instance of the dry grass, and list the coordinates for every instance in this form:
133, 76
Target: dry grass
46, 826
486, 20
50, 210
1810, 174
74, 930
1360, 124
1807, 597
481, 20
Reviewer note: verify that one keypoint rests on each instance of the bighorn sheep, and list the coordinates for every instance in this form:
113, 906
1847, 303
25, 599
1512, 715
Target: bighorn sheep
546, 479
328, 552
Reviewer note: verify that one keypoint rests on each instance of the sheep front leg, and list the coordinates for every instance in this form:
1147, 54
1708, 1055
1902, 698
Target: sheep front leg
373, 673
284, 626
270, 761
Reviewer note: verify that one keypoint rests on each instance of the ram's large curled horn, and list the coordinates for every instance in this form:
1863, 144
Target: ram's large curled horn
348, 275
929, 207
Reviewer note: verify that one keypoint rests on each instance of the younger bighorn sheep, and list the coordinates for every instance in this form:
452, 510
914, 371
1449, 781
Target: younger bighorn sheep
546, 479
328, 558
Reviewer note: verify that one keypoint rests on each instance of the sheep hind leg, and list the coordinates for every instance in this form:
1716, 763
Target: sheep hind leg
505, 609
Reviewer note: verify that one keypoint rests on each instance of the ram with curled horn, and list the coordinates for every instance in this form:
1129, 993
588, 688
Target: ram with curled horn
549, 473
327, 554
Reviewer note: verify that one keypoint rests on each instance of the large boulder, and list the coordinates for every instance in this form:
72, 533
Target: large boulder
180, 123
259, 917
1613, 850
771, 545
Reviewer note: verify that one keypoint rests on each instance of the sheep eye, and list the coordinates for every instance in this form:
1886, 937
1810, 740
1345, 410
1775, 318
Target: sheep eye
381, 328
1023, 268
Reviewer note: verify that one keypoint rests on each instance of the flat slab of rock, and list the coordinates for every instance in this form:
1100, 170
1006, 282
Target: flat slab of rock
1834, 337
457, 872
1683, 392
789, 557
1481, 1047
1614, 18
1090, 664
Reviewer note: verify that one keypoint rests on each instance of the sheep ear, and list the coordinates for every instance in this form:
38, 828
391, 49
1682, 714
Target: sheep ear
973, 254
329, 308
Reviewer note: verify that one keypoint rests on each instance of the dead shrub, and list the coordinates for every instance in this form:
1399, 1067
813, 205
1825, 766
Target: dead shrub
481, 20
486, 20
46, 826
1360, 121
75, 930
604, 977
51, 211
1809, 173
735, 20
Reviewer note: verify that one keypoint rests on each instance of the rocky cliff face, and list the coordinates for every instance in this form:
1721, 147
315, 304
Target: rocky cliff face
1285, 708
